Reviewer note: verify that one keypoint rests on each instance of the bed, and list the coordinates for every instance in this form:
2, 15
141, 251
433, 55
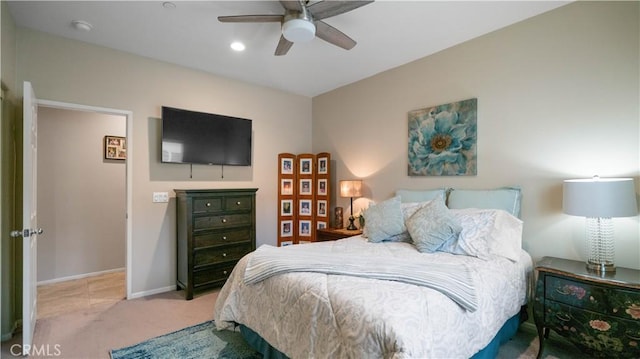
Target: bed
449, 282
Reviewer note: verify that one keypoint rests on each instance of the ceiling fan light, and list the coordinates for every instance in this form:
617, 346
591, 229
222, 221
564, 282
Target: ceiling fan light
298, 30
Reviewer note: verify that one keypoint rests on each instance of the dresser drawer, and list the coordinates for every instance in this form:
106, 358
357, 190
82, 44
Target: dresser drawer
222, 237
214, 255
238, 203
221, 221
217, 274
208, 204
611, 301
598, 334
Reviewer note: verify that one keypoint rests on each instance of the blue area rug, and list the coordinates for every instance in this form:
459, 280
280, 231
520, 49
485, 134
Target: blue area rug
198, 341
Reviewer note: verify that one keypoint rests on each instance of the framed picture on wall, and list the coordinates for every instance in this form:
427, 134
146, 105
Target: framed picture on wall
322, 225
115, 148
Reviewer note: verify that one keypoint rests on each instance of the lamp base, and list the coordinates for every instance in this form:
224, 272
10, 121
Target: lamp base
601, 268
352, 227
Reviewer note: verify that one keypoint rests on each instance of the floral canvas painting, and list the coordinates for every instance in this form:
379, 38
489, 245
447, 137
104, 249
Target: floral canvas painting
443, 140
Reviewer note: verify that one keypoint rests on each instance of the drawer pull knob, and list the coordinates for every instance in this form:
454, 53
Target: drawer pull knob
208, 204
238, 203
563, 317
225, 272
224, 238
224, 220
224, 254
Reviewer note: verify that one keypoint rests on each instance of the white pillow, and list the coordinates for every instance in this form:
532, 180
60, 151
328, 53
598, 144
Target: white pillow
487, 232
384, 220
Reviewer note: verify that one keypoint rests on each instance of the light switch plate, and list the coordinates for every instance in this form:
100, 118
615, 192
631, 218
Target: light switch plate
160, 197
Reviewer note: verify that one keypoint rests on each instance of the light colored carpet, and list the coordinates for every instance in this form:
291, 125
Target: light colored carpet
91, 333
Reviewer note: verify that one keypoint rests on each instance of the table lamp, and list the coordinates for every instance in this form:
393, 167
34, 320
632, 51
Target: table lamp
599, 200
351, 188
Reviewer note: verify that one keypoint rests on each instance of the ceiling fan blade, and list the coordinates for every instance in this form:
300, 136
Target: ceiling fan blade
251, 18
334, 36
324, 9
291, 5
283, 46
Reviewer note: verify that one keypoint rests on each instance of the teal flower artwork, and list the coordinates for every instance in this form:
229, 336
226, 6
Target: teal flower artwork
443, 140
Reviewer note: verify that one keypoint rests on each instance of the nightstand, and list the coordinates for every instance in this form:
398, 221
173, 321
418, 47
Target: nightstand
332, 234
599, 314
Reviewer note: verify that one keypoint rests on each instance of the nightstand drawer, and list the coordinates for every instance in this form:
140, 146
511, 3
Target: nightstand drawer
595, 333
616, 302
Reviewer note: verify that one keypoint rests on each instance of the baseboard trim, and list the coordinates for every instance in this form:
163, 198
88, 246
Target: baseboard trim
152, 292
80, 276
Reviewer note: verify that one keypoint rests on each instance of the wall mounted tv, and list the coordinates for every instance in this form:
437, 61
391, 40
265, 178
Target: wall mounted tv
205, 138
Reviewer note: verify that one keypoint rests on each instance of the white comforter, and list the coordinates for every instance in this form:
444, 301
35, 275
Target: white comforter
315, 315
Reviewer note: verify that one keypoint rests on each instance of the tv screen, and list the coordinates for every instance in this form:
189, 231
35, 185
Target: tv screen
205, 138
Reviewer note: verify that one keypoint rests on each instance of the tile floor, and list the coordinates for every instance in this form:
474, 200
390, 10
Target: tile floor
87, 293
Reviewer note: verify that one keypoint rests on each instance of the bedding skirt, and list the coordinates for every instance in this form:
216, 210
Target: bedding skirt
505, 333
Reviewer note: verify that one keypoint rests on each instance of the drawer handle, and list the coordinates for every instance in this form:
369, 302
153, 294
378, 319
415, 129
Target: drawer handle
563, 291
238, 203
224, 220
208, 204
563, 317
632, 335
225, 272
224, 238
224, 254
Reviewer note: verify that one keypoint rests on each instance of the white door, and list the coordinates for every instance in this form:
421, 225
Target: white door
29, 217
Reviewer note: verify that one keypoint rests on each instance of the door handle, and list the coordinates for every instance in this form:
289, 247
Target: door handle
26, 232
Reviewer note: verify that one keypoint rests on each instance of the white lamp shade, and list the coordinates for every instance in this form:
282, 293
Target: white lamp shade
298, 30
352, 188
599, 197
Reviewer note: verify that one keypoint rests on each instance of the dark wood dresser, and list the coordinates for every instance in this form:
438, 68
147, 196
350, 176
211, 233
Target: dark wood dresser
216, 227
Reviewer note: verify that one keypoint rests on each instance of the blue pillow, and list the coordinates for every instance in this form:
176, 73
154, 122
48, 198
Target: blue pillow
384, 220
433, 225
410, 195
506, 198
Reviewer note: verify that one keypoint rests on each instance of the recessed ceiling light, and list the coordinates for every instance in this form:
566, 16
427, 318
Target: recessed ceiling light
237, 46
81, 25
168, 5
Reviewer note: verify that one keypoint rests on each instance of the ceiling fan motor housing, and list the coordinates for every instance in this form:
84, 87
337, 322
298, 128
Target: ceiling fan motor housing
298, 26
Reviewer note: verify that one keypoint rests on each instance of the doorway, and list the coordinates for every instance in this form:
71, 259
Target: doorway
88, 197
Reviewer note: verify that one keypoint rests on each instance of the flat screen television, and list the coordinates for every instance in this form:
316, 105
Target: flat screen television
205, 138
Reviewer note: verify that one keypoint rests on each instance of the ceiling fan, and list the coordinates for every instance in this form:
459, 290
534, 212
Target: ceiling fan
302, 22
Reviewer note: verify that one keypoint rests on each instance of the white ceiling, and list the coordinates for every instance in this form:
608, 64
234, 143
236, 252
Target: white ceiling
389, 34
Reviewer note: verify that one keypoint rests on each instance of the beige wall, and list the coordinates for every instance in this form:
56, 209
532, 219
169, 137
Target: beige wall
74, 72
81, 196
558, 98
9, 295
